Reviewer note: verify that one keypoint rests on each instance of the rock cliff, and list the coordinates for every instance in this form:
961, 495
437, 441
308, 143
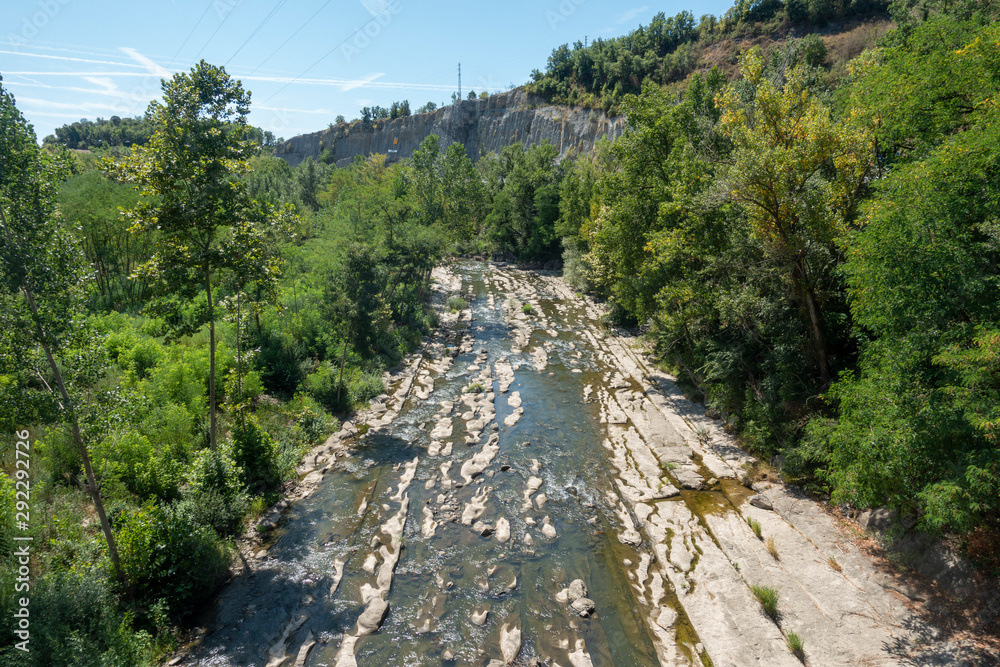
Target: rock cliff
482, 126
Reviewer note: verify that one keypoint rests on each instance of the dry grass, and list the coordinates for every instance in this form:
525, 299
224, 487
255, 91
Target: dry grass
834, 564
772, 548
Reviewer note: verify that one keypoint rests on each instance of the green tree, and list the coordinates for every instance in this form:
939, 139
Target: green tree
799, 174
193, 196
43, 274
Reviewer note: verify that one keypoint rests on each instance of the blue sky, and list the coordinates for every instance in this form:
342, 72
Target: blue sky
305, 61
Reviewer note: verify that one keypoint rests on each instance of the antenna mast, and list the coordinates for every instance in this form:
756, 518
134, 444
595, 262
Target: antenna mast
459, 81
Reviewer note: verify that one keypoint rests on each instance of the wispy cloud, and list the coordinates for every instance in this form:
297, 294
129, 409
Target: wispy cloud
151, 66
360, 83
45, 56
631, 14
343, 84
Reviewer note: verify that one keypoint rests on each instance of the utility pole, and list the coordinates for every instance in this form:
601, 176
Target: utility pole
459, 81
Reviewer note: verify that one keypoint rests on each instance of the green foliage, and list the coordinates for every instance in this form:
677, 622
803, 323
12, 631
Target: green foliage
102, 133
915, 427
91, 202
796, 645
768, 599
75, 620
456, 303
255, 453
754, 526
165, 556
527, 309
524, 185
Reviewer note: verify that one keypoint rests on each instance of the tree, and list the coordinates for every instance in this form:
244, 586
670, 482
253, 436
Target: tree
193, 197
42, 276
340, 119
354, 301
797, 172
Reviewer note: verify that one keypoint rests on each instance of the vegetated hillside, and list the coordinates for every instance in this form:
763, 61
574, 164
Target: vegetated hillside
665, 52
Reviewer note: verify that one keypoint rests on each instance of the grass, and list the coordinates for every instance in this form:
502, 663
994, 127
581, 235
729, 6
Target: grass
526, 309
456, 304
834, 564
767, 596
475, 388
772, 548
754, 526
796, 646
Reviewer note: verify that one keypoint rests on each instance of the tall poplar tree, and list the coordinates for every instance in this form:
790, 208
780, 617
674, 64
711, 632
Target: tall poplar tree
189, 176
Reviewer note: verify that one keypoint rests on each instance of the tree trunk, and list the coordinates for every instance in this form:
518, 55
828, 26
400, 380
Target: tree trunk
815, 321
340, 382
95, 493
211, 359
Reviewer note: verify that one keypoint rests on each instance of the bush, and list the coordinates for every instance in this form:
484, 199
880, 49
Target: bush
130, 465
214, 496
166, 556
456, 304
256, 455
75, 622
526, 309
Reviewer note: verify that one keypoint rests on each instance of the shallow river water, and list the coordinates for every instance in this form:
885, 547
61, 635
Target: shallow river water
397, 516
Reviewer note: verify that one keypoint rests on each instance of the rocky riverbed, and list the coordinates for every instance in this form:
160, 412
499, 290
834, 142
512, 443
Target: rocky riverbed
530, 490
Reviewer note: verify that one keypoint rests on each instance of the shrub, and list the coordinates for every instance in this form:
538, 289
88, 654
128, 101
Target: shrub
456, 304
474, 388
166, 556
796, 646
256, 454
129, 464
768, 599
75, 620
526, 309
214, 496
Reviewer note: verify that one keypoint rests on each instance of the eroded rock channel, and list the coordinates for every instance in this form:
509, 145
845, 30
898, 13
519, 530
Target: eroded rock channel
530, 491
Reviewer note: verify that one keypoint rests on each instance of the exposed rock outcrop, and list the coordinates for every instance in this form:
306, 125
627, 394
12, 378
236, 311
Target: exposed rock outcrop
482, 126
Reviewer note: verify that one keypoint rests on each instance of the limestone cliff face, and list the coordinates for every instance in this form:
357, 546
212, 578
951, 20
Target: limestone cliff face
482, 126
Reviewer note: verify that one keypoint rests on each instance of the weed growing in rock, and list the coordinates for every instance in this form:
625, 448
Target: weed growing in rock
767, 596
526, 309
475, 388
834, 564
796, 646
772, 548
754, 526
456, 304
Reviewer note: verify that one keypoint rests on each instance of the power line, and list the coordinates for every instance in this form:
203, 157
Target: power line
307, 22
225, 18
184, 43
327, 54
267, 18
